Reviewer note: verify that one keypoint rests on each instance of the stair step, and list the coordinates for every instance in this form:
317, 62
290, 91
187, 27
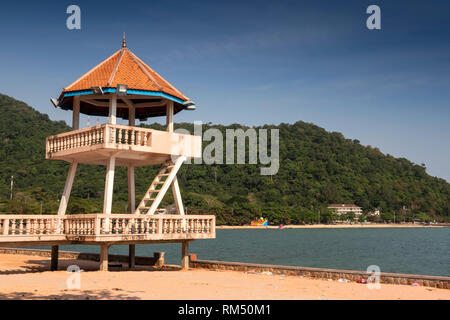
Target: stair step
150, 195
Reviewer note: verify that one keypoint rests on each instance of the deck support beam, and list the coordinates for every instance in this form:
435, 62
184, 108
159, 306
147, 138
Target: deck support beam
104, 257
67, 189
169, 116
131, 187
54, 258
112, 109
76, 113
185, 255
131, 190
109, 183
131, 256
177, 196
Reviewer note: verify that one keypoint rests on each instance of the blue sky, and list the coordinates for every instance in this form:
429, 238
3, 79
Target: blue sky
257, 62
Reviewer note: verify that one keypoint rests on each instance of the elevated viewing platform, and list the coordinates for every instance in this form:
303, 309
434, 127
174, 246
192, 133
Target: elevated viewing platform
121, 86
130, 145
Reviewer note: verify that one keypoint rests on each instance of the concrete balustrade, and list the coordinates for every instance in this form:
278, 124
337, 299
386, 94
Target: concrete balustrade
89, 145
91, 228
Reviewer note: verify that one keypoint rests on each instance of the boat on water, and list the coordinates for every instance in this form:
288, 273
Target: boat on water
260, 222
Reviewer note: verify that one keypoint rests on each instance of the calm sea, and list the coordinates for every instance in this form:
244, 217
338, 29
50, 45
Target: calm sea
399, 250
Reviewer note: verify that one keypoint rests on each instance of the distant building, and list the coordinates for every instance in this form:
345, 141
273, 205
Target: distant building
342, 208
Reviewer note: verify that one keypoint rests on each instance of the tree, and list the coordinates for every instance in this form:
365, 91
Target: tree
387, 216
350, 216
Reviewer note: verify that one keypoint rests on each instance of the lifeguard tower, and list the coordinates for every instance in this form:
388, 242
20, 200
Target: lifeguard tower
122, 86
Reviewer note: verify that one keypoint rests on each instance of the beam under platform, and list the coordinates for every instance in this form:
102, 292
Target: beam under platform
104, 257
131, 209
131, 256
177, 196
67, 189
54, 259
109, 183
185, 255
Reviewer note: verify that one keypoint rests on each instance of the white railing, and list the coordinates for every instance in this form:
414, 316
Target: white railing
106, 224
30, 225
154, 224
98, 135
130, 136
124, 138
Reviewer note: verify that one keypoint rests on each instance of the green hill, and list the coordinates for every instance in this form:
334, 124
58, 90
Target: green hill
317, 168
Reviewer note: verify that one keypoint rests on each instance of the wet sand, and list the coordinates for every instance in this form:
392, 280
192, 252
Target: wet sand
27, 277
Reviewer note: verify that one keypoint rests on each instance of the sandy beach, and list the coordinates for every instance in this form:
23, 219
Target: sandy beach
27, 277
331, 226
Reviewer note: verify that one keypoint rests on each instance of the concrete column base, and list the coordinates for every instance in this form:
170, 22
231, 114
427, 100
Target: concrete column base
158, 258
185, 255
131, 256
54, 258
104, 257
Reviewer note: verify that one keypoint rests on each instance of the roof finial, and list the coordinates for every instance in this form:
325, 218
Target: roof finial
124, 43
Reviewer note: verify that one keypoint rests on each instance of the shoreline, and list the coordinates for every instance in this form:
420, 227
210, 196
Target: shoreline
336, 226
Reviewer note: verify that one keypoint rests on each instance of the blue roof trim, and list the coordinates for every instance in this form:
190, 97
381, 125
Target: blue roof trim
129, 91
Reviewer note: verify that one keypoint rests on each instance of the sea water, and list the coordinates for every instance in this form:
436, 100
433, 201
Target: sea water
399, 250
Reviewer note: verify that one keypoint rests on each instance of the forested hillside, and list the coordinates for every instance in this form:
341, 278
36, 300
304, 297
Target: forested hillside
317, 168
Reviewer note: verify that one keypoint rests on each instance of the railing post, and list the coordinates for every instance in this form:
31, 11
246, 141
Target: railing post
5, 226
97, 230
160, 225
66, 226
106, 134
213, 226
106, 226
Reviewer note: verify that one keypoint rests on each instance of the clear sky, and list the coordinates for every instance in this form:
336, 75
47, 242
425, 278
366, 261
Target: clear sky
257, 62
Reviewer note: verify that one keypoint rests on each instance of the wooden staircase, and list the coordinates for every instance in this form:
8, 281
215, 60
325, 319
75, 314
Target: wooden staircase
159, 186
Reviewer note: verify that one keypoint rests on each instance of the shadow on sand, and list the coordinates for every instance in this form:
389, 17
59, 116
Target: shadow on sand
43, 265
72, 295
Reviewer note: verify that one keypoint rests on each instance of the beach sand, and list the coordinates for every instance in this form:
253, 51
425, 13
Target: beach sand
27, 277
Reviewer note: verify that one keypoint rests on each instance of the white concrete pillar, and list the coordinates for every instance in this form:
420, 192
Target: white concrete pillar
112, 109
131, 177
104, 257
177, 196
185, 255
169, 116
76, 113
131, 190
109, 184
67, 189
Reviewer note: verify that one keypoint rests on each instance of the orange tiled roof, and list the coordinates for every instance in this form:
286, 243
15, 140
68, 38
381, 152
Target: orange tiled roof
124, 67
